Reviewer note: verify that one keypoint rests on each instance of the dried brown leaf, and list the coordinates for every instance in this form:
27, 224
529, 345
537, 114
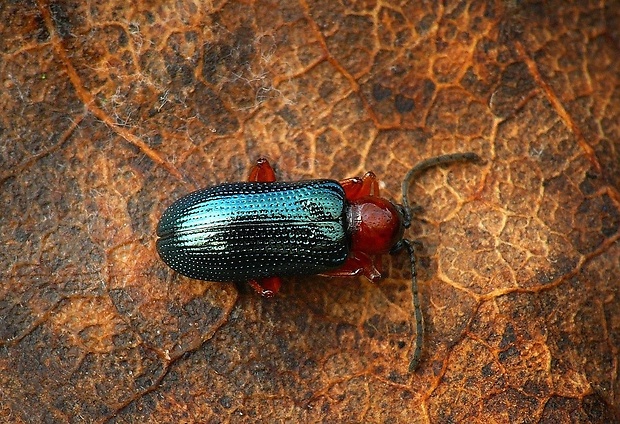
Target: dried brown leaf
111, 110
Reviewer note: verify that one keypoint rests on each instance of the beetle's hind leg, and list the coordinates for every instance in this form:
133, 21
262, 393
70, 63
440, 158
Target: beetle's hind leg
262, 172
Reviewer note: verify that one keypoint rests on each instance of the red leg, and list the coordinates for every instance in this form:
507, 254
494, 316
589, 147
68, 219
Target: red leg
266, 287
355, 188
358, 263
262, 172
377, 261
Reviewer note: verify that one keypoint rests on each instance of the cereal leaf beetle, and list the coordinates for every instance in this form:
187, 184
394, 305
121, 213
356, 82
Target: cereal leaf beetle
261, 230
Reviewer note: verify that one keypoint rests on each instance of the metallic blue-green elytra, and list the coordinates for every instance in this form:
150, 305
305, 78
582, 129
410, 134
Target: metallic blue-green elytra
251, 230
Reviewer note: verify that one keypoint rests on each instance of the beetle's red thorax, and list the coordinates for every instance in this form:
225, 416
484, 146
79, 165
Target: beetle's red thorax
375, 225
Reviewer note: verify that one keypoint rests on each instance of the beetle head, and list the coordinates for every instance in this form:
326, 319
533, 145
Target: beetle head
375, 225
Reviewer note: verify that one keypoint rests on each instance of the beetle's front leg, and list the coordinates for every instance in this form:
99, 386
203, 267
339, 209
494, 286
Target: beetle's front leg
356, 188
358, 263
266, 287
262, 172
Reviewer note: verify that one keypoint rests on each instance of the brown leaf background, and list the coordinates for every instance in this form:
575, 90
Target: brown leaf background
111, 110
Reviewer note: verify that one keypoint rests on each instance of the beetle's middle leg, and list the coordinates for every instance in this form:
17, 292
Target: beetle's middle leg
266, 287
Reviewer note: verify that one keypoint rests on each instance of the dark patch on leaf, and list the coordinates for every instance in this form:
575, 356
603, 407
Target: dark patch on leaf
508, 354
598, 410
487, 370
225, 60
403, 104
425, 24
211, 110
290, 116
516, 82
509, 337
379, 92
62, 21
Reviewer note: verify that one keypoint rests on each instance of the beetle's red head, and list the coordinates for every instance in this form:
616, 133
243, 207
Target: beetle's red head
375, 225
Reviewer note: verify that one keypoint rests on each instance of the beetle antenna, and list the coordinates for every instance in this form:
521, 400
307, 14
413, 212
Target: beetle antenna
423, 166
406, 210
417, 310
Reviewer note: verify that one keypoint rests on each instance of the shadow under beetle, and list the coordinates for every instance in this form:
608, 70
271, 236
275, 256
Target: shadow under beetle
261, 230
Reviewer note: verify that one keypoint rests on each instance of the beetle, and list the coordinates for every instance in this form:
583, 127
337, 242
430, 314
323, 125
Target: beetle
263, 229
